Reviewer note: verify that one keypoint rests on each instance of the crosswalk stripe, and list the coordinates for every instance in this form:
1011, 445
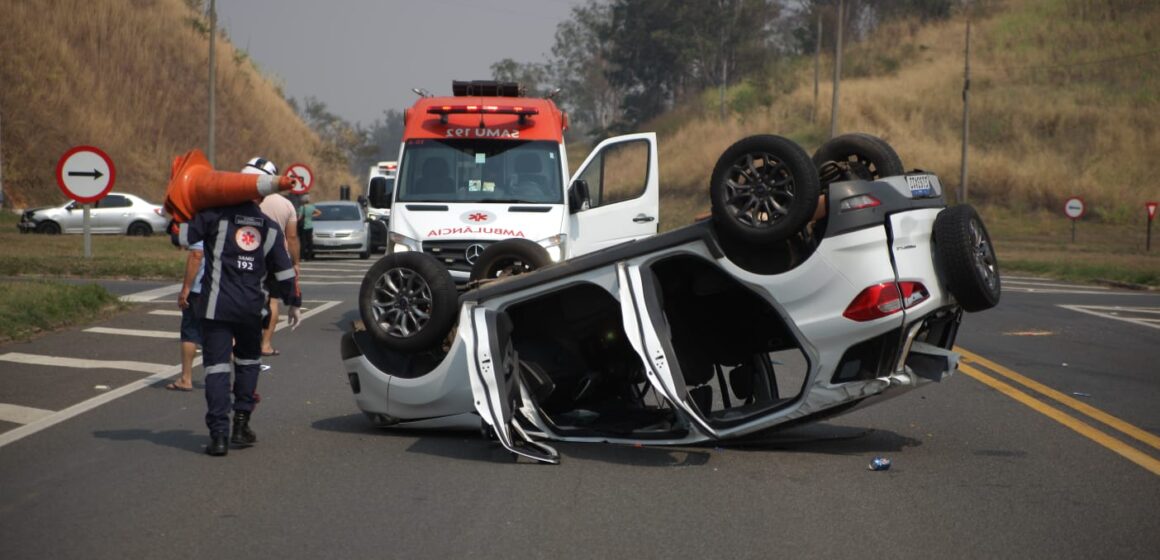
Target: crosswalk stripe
136, 332
21, 414
39, 360
166, 312
150, 295
331, 283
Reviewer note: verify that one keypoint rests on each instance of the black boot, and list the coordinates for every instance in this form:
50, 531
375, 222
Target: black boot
243, 436
218, 444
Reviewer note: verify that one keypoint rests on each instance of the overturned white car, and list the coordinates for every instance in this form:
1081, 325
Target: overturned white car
745, 322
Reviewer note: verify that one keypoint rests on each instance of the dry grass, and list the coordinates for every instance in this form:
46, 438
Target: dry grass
1046, 123
130, 77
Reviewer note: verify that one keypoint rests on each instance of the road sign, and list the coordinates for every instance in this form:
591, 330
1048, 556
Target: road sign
85, 174
1151, 209
305, 177
1074, 208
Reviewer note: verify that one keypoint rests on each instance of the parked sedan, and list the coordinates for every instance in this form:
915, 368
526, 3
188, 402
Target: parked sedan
116, 213
342, 228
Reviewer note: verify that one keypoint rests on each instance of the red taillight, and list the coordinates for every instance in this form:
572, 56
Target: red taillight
858, 202
884, 299
159, 211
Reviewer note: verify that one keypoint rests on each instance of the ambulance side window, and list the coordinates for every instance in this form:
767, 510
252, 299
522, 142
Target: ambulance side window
618, 173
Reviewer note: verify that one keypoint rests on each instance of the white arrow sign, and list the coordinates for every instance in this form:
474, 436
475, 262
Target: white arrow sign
85, 174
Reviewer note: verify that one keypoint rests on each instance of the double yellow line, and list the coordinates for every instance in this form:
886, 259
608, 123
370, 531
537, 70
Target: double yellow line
969, 367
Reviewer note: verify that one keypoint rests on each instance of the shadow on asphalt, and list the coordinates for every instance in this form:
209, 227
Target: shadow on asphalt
179, 439
825, 439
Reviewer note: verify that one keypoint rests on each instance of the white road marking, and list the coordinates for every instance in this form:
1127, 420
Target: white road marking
311, 271
308, 283
35, 359
1120, 313
330, 276
1008, 281
151, 295
85, 406
21, 414
166, 312
135, 332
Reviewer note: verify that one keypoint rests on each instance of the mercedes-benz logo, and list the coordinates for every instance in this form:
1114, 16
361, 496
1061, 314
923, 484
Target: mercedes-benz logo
473, 252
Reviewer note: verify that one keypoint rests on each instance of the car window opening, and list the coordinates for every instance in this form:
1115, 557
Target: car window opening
734, 352
581, 370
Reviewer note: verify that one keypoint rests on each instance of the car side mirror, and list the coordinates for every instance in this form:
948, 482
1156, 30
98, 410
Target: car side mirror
71, 207
380, 193
578, 198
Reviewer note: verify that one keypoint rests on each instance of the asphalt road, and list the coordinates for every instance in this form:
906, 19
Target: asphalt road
1045, 445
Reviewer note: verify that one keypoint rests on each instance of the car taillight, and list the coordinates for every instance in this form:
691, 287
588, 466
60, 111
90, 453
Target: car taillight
159, 211
858, 202
887, 298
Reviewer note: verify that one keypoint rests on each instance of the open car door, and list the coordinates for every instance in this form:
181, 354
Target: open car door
493, 367
623, 193
645, 326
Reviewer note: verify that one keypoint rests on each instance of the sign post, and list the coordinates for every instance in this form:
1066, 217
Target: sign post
1151, 206
1074, 209
304, 175
85, 174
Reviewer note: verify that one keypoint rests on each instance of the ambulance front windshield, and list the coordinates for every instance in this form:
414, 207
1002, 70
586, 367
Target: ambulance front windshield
481, 170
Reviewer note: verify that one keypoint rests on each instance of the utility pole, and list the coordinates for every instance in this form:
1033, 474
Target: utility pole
212, 70
837, 72
817, 68
2, 201
966, 111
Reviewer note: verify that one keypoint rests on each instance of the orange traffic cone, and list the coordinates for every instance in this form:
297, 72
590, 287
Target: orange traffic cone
195, 186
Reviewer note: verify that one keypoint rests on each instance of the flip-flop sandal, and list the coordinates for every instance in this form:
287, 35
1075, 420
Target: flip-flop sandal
272, 353
176, 387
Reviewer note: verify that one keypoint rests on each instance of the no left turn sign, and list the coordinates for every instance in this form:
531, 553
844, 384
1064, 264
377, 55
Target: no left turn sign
305, 177
85, 174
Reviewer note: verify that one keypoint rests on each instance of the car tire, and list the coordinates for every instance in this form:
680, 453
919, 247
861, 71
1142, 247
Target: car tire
965, 258
865, 157
365, 254
766, 203
141, 229
49, 228
408, 302
509, 258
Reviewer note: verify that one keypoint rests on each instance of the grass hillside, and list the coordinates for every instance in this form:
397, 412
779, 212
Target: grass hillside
130, 78
1065, 100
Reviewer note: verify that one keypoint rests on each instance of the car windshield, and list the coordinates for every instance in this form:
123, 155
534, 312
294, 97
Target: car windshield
484, 170
338, 213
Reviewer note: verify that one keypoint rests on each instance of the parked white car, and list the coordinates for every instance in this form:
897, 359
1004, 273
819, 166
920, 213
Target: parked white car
116, 213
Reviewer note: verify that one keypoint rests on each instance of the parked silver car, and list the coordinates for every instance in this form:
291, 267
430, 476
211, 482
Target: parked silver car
116, 213
342, 228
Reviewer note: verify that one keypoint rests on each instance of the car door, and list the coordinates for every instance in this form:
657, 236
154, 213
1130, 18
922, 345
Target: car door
623, 185
112, 214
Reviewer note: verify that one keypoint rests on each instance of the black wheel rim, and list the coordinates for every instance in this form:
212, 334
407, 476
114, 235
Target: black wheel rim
402, 302
984, 256
759, 190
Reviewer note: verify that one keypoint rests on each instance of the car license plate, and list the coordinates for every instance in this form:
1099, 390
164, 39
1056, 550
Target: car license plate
920, 185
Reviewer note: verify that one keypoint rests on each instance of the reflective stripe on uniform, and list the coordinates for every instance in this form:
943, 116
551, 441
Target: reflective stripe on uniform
244, 362
271, 237
284, 275
215, 288
217, 368
183, 235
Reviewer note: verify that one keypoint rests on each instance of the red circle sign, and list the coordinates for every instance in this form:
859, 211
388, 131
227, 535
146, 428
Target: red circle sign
305, 177
1074, 208
85, 174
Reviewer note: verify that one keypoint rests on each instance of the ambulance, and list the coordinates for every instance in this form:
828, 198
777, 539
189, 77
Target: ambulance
488, 164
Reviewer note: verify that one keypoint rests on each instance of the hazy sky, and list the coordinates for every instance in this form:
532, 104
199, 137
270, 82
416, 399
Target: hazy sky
362, 57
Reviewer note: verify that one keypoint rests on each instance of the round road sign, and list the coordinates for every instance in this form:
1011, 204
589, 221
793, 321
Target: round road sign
1074, 208
305, 177
85, 174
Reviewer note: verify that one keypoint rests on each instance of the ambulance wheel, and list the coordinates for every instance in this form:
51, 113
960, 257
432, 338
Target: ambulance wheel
509, 258
408, 301
763, 189
966, 259
857, 155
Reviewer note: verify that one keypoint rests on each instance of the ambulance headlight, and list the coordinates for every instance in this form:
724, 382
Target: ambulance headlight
401, 243
555, 246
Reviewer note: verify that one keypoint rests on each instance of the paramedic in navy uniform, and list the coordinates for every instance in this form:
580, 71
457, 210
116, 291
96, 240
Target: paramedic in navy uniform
242, 247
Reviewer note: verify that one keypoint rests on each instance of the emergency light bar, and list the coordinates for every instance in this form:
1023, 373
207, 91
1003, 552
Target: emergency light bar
444, 110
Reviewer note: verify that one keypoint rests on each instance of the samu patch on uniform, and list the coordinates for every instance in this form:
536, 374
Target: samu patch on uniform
248, 238
249, 221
